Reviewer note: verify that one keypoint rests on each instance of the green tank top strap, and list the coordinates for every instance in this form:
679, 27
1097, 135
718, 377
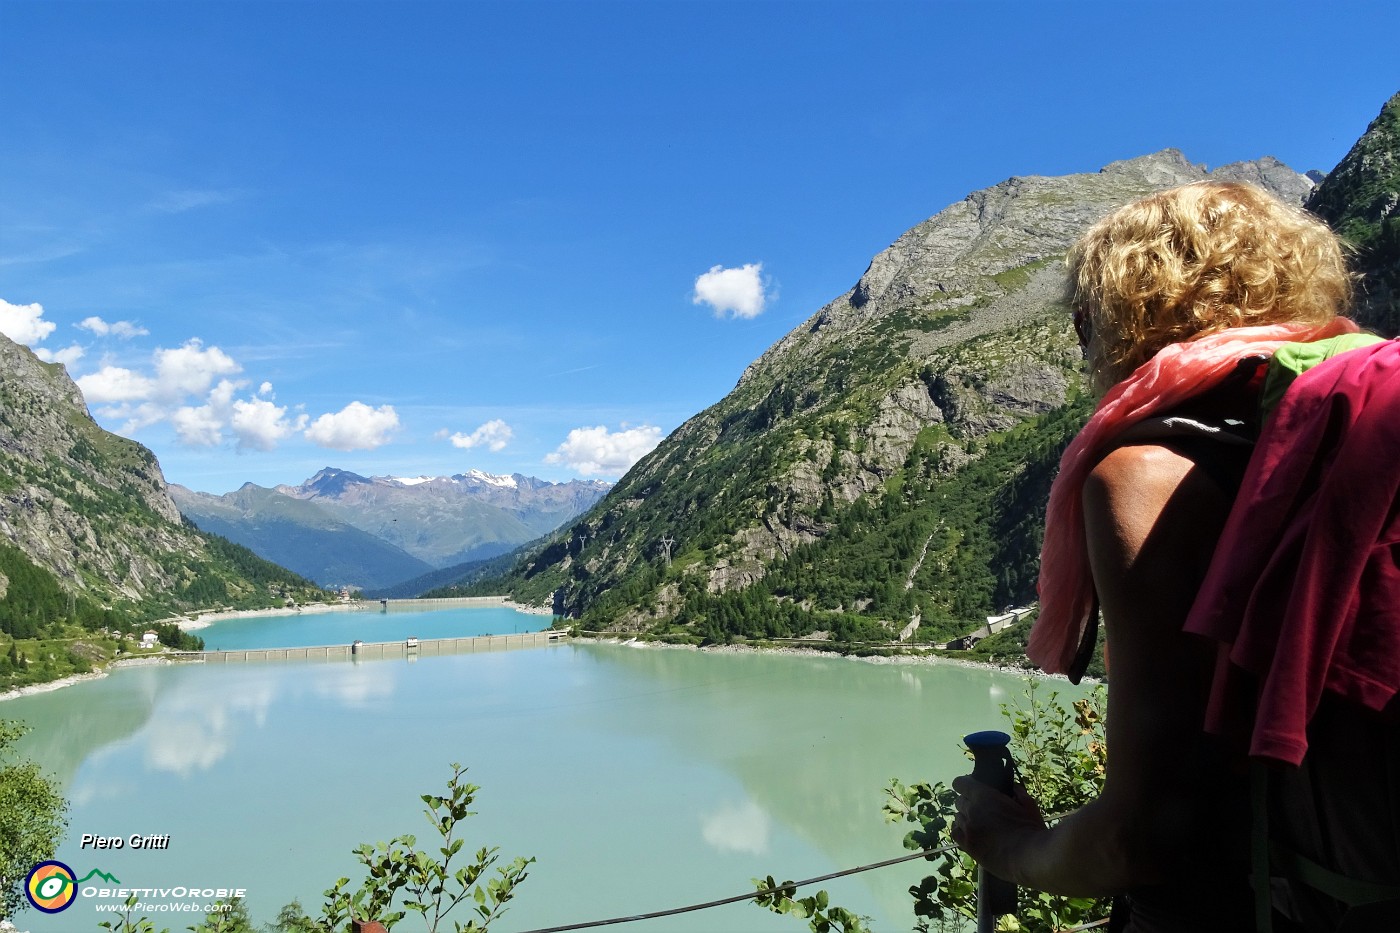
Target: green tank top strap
1293, 359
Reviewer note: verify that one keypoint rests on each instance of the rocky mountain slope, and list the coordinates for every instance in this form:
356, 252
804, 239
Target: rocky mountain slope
90, 510
882, 469
341, 528
1360, 198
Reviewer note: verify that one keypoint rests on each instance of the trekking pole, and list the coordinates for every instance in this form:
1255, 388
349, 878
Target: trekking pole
991, 764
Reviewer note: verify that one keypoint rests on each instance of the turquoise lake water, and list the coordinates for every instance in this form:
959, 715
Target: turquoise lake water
369, 624
641, 779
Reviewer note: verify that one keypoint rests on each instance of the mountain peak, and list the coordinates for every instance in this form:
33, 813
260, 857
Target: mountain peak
471, 477
489, 479
330, 481
908, 431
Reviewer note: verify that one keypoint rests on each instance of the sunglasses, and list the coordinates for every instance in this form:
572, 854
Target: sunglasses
1084, 328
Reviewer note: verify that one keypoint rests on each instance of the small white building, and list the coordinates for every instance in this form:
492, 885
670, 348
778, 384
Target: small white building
149, 640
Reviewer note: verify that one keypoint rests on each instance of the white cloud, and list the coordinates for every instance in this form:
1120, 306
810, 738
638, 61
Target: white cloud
198, 427
221, 397
24, 323
190, 369
137, 416
738, 292
256, 423
259, 424
494, 435
115, 384
597, 450
123, 329
188, 387
186, 371
203, 426
67, 356
354, 427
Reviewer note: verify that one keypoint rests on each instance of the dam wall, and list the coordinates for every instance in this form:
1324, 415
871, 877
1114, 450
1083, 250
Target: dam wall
404, 648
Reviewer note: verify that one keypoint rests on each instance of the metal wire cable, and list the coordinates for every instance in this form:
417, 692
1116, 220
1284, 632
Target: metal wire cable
791, 885
759, 892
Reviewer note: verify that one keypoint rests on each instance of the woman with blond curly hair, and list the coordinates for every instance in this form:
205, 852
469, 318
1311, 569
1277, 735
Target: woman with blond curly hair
1178, 300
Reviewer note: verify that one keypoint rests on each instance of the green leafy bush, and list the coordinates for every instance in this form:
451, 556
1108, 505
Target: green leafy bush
403, 878
1061, 759
33, 816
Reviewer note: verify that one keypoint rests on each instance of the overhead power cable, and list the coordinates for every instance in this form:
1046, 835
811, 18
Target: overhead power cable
748, 896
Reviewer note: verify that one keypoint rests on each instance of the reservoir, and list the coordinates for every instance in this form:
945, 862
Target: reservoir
369, 624
640, 778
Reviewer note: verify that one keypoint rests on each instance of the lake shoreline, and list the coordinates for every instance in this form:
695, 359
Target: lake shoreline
205, 619
50, 685
798, 651
194, 621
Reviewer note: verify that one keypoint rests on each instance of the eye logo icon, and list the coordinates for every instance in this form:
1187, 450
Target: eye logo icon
51, 886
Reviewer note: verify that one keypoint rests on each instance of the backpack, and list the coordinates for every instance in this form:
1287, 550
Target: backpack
1318, 650
1313, 859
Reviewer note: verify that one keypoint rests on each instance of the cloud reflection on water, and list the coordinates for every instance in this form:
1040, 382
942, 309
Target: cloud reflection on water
193, 730
355, 685
743, 827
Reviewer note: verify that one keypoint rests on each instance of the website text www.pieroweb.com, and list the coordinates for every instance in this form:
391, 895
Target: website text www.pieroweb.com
53, 886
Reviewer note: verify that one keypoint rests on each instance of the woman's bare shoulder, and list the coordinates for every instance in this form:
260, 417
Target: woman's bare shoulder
1136, 475
1143, 495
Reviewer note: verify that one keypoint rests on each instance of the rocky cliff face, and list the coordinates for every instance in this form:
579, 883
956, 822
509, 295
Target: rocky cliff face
954, 339
1361, 200
90, 507
62, 477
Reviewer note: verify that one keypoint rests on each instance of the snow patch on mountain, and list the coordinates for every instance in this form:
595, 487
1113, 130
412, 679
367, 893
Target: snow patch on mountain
410, 480
491, 479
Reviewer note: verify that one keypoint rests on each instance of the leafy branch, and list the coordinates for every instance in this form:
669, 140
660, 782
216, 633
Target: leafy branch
821, 917
1062, 758
430, 883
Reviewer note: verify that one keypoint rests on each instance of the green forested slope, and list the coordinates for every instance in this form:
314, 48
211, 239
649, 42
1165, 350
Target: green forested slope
887, 462
1360, 198
91, 546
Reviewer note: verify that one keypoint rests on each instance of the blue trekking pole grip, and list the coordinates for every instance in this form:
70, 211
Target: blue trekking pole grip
991, 764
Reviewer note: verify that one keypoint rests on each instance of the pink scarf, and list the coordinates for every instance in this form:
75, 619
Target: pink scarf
1178, 372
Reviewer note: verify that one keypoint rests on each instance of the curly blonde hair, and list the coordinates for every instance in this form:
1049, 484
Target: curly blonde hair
1195, 260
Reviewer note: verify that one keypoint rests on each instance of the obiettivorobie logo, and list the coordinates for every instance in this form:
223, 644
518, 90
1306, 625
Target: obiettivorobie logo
53, 886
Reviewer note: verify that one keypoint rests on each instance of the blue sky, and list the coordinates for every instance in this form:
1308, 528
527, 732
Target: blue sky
420, 238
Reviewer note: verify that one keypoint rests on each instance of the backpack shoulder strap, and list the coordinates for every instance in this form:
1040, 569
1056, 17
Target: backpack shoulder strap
1270, 858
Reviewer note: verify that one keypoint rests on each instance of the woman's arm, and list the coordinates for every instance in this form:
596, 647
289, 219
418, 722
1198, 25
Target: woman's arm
1152, 519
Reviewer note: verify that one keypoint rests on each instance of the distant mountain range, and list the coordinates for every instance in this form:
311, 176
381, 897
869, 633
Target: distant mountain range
340, 528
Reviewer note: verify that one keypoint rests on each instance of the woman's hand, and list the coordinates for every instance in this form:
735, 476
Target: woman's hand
992, 826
